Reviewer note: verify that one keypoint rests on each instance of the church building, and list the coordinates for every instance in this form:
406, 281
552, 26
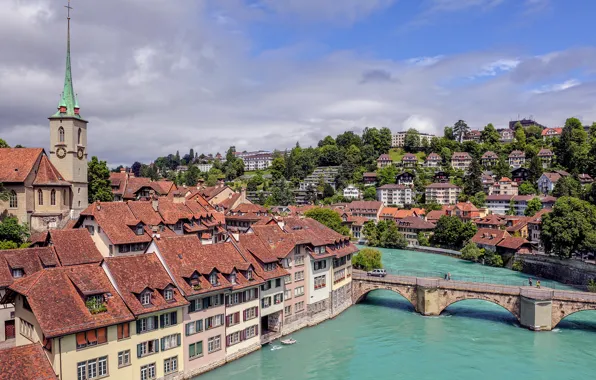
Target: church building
47, 192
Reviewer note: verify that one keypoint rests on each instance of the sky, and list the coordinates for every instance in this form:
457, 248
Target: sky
157, 76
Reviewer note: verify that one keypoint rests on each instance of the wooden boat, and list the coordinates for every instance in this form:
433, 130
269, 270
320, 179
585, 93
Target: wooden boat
288, 341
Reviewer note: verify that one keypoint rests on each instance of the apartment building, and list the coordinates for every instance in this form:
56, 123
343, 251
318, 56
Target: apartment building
384, 160
351, 192
259, 161
442, 193
411, 226
157, 305
517, 159
504, 186
398, 139
498, 204
367, 209
433, 160
409, 160
392, 194
489, 159
461, 161
546, 156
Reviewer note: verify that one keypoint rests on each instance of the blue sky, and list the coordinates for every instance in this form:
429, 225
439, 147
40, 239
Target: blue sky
164, 75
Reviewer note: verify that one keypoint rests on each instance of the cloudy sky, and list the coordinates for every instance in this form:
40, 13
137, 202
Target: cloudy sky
156, 76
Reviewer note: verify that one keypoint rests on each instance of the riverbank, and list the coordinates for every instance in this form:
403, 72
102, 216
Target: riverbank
573, 272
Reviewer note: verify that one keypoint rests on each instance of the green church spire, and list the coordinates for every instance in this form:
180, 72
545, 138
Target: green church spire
68, 105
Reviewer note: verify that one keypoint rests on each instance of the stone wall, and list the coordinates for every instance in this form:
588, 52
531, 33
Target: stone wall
572, 272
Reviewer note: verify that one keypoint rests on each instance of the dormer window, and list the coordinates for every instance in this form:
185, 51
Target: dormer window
146, 298
249, 274
168, 294
139, 230
18, 273
213, 279
233, 278
96, 304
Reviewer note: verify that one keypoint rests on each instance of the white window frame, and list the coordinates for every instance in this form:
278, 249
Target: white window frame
146, 298
148, 371
214, 344
299, 291
170, 365
123, 358
168, 294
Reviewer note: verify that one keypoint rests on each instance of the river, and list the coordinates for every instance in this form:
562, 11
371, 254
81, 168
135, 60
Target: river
384, 338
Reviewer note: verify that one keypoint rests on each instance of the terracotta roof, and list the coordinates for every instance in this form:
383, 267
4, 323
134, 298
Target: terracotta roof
259, 253
27, 362
369, 174
134, 184
389, 211
47, 174
229, 202
466, 206
30, 260
137, 273
489, 236
490, 154
74, 247
545, 153
164, 186
518, 225
517, 154
415, 223
210, 192
357, 220
537, 218
435, 215
57, 298
409, 157
310, 231
384, 157
172, 212
401, 214
433, 157
440, 185
117, 222
143, 211
499, 197
364, 205
17, 163
512, 242
119, 180
461, 156
492, 219
250, 207
552, 131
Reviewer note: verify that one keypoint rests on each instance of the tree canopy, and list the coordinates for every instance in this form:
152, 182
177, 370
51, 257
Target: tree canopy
98, 177
367, 259
329, 218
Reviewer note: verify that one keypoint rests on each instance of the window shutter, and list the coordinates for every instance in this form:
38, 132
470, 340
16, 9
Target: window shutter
237, 317
221, 299
244, 315
191, 350
174, 317
228, 340
138, 350
119, 328
163, 343
199, 325
227, 300
126, 330
256, 330
187, 329
179, 338
161, 320
205, 303
227, 321
191, 307
156, 321
243, 334
138, 326
156, 345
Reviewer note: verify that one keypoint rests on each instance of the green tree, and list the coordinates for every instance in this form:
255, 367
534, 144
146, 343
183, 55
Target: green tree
448, 133
369, 231
460, 129
526, 188
255, 181
282, 195
12, 231
534, 205
98, 178
520, 139
567, 186
451, 232
502, 168
471, 252
326, 141
3, 144
367, 259
329, 218
490, 135
535, 169
392, 238
370, 194
386, 175
511, 210
192, 176
570, 228
422, 240
328, 191
412, 140
278, 168
473, 179
493, 259
479, 199
330, 155
348, 139
572, 148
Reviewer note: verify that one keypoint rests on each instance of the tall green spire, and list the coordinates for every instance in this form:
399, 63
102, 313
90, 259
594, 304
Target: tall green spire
68, 105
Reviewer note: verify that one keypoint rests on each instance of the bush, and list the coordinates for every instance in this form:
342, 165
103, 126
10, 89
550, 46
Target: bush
367, 259
592, 286
518, 265
471, 252
493, 259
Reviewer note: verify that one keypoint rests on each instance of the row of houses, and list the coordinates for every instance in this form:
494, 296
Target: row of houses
176, 309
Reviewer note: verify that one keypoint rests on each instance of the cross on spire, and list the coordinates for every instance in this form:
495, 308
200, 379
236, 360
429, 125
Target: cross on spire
68, 7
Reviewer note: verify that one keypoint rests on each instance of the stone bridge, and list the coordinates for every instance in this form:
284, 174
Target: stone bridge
536, 309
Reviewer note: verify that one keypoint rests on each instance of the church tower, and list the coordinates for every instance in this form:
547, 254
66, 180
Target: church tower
68, 138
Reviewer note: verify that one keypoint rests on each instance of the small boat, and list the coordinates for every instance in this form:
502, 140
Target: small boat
288, 341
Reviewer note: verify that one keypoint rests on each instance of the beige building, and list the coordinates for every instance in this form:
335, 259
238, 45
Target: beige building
442, 193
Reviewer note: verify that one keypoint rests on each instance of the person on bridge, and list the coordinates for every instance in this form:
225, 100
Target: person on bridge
538, 284
449, 276
530, 281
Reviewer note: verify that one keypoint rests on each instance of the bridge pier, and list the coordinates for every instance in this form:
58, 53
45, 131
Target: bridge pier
536, 314
427, 301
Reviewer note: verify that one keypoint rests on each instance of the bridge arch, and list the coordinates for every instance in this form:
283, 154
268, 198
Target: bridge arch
509, 303
561, 311
360, 290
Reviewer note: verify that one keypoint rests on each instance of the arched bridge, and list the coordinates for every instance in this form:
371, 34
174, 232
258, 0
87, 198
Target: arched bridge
536, 309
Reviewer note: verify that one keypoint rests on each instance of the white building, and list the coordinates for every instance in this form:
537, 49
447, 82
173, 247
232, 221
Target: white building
204, 167
498, 204
442, 193
260, 161
351, 192
398, 195
398, 139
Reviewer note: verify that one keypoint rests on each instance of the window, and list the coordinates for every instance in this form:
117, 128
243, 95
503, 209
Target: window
146, 298
234, 338
92, 337
298, 276
320, 282
299, 306
233, 319
147, 324
91, 230
123, 358
235, 298
249, 274
277, 299
170, 341
288, 279
168, 294
168, 319
266, 286
170, 365
147, 348
250, 313
233, 278
13, 201
61, 134
299, 291
92, 369
195, 350
194, 327
26, 329
288, 294
288, 310
213, 279
18, 273
277, 282
139, 230
215, 321
79, 137
40, 197
299, 260
266, 302
320, 264
148, 371
53, 197
214, 344
251, 332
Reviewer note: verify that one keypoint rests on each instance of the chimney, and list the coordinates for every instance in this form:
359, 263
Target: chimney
236, 235
98, 206
122, 170
155, 204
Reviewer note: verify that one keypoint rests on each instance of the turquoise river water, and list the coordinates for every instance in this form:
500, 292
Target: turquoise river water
384, 338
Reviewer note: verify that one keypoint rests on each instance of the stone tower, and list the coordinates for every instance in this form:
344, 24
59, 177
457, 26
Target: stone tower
68, 139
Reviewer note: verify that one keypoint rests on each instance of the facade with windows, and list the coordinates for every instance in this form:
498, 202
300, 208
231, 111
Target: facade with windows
242, 321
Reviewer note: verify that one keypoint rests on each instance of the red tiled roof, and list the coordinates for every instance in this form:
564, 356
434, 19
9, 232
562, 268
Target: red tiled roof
250, 207
369, 174
552, 131
136, 273
27, 362
461, 156
415, 223
143, 211
433, 157
512, 242
17, 163
499, 197
30, 260
492, 219
489, 236
545, 153
48, 175
537, 218
490, 154
210, 192
74, 247
359, 206
119, 180
55, 296
172, 212
466, 206
384, 157
435, 215
310, 231
409, 157
229, 202
517, 154
259, 253
116, 220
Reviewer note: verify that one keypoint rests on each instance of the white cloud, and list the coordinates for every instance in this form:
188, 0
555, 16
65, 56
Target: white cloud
557, 86
420, 123
425, 61
499, 66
